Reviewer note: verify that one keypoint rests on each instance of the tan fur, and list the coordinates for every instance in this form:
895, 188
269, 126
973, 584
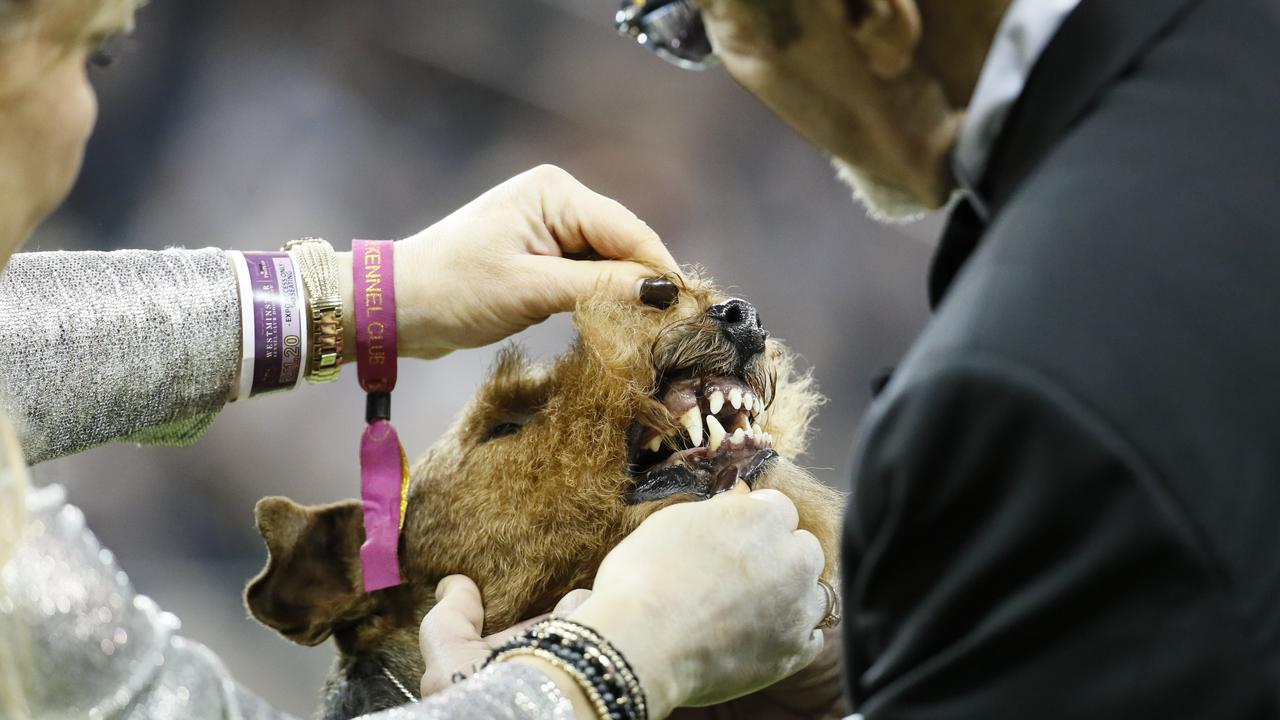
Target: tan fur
528, 516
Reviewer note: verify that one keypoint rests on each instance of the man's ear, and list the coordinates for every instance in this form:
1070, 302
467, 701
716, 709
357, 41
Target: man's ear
888, 32
313, 577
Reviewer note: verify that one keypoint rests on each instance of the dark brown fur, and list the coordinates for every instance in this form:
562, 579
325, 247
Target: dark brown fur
528, 516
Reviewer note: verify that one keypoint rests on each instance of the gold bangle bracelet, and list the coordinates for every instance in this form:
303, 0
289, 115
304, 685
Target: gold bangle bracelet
318, 266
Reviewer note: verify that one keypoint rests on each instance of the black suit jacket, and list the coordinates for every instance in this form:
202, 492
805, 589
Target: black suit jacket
1067, 500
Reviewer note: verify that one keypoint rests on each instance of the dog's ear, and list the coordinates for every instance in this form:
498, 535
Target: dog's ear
312, 580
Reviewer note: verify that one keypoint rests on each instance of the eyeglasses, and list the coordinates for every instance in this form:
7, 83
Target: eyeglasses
671, 28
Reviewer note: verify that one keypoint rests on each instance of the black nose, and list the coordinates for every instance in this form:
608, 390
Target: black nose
741, 324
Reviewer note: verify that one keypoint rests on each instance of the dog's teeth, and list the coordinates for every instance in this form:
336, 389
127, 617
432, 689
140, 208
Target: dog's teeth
755, 430
738, 437
735, 398
748, 401
768, 438
740, 422
715, 401
654, 444
692, 422
715, 433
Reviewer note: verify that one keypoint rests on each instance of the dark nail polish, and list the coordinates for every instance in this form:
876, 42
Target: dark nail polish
660, 293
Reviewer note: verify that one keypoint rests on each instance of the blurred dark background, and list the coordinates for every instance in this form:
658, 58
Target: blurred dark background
243, 124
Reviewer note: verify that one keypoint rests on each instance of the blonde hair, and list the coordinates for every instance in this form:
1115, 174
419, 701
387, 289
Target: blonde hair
18, 17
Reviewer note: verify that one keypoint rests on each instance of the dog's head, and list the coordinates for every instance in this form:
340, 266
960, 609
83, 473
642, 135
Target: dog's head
549, 467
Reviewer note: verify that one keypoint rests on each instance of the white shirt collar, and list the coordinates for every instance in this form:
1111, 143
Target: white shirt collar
1024, 33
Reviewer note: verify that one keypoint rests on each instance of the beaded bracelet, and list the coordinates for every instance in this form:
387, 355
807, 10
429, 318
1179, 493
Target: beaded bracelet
596, 665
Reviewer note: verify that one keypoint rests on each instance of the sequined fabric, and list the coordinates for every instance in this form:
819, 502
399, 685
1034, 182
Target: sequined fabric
129, 345
506, 691
87, 646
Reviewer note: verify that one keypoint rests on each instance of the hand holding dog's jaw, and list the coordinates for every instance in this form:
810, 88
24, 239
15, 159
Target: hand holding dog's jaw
730, 611
503, 262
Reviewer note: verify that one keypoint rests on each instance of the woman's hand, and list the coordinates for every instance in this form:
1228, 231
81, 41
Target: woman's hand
505, 261
450, 635
712, 600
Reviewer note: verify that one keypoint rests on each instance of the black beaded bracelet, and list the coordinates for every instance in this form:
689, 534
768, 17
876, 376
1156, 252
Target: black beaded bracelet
596, 665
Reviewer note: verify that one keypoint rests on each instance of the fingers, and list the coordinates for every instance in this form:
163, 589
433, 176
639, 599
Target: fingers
569, 280
780, 507
571, 602
811, 560
585, 221
458, 615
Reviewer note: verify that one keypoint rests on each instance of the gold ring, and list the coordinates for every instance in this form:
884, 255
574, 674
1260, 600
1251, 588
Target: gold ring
832, 618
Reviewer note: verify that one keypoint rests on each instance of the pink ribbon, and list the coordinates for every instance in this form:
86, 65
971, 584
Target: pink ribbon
384, 473
381, 469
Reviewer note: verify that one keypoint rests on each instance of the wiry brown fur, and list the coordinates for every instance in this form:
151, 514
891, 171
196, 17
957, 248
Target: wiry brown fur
528, 516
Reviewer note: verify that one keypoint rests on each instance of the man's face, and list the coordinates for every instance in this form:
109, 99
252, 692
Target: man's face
851, 86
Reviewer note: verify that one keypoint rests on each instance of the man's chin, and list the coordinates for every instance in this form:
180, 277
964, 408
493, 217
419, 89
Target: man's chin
884, 203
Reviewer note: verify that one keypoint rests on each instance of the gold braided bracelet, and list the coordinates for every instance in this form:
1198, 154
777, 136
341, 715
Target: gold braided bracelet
318, 266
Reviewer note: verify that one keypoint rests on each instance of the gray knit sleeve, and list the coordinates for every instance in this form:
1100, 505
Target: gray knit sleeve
132, 345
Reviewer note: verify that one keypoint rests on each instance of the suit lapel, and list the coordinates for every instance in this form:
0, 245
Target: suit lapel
1094, 46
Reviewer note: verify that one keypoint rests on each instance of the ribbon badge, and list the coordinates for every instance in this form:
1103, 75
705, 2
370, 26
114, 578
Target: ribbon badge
384, 471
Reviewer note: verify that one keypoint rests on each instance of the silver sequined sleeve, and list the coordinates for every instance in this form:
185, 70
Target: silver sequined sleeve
130, 345
86, 645
506, 691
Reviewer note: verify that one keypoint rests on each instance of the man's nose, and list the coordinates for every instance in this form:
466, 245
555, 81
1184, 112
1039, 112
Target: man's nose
740, 323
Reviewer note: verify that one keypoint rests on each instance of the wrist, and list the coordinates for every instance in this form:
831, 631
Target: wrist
635, 634
582, 708
345, 288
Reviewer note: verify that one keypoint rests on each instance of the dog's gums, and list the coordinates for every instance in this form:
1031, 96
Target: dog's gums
547, 469
720, 440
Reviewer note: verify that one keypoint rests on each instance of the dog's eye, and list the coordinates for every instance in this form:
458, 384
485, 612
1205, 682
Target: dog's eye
502, 430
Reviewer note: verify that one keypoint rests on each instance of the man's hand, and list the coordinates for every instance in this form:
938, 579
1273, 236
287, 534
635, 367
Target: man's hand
529, 248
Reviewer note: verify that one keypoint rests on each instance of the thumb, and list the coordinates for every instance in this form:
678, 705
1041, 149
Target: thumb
571, 602
568, 281
458, 615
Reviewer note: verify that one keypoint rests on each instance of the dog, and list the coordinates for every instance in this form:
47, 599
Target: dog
545, 471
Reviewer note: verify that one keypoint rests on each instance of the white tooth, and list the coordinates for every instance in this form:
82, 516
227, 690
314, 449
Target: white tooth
715, 401
768, 437
735, 398
692, 422
755, 430
748, 401
738, 437
654, 444
715, 433
747, 431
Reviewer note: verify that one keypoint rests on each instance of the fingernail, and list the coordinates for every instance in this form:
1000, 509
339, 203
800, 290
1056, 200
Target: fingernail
659, 292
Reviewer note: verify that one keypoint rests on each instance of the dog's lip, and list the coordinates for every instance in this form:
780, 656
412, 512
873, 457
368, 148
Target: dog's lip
681, 480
